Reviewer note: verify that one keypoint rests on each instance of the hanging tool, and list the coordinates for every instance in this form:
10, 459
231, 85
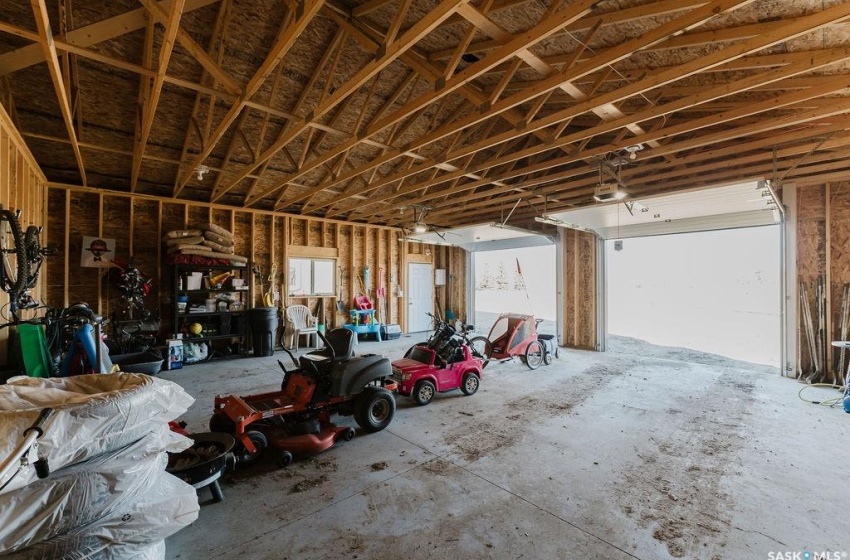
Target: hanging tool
842, 330
340, 304
381, 293
808, 330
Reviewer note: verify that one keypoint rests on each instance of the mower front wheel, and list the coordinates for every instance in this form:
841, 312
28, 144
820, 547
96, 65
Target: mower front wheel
470, 384
258, 439
424, 392
374, 409
284, 459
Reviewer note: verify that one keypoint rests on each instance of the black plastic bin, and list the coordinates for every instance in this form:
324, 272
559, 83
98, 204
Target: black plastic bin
263, 321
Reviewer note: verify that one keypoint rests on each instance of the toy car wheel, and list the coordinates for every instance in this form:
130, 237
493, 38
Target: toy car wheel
260, 442
222, 424
481, 348
348, 435
375, 409
470, 384
424, 392
284, 459
548, 359
534, 355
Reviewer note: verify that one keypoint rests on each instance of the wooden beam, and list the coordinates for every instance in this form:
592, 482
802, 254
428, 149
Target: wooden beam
89, 35
611, 55
290, 30
42, 21
830, 15
523, 40
216, 48
390, 53
172, 26
825, 109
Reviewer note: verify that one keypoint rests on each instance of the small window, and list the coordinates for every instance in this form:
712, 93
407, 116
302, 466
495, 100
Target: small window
312, 277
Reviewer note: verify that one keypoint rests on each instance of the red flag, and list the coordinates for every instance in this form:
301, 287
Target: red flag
518, 269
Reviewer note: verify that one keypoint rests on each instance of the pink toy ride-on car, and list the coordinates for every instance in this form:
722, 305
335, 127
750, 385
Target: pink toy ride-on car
444, 364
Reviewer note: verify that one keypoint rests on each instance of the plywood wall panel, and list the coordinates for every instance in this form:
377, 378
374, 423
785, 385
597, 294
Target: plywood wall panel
22, 188
83, 282
580, 298
262, 236
55, 237
811, 253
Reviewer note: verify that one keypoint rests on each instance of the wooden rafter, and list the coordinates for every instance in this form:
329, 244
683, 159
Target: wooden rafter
390, 54
42, 21
148, 111
556, 80
836, 13
540, 32
292, 27
216, 48
824, 109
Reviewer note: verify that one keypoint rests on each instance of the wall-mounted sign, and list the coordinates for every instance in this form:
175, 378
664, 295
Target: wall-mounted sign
97, 252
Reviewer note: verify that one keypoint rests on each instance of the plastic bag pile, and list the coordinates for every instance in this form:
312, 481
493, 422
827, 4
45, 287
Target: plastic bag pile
108, 495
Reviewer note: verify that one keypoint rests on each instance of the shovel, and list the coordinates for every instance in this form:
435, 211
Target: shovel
340, 305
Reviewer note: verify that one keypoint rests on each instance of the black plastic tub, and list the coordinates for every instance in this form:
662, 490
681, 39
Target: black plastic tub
149, 362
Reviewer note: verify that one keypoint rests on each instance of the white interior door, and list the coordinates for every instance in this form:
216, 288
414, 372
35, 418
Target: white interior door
420, 289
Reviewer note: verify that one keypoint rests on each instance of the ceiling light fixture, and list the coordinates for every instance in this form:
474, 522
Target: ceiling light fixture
633, 150
606, 192
419, 227
200, 171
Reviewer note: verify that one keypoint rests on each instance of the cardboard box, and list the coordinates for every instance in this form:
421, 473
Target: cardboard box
175, 354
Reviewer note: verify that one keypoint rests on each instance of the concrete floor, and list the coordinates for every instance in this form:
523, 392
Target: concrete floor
640, 452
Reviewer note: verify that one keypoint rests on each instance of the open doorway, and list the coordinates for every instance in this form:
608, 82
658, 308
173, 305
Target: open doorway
714, 291
499, 287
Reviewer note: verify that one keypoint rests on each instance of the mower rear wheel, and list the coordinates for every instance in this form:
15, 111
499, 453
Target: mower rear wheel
349, 434
374, 409
423, 392
221, 424
534, 355
284, 459
548, 359
481, 348
260, 443
470, 384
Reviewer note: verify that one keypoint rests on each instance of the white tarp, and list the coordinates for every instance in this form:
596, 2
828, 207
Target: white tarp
95, 414
129, 532
86, 492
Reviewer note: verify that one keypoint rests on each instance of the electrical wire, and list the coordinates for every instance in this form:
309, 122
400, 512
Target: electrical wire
827, 402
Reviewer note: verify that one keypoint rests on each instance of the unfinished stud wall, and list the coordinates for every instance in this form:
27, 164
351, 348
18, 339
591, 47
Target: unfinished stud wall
138, 223
579, 254
21, 188
823, 251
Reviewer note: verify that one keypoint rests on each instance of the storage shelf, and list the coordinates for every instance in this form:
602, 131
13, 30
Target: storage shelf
213, 337
210, 313
211, 318
211, 290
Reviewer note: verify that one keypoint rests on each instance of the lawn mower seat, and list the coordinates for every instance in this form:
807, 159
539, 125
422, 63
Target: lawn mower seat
342, 342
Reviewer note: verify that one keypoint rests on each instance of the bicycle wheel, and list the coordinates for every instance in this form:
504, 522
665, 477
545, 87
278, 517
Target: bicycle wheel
481, 348
32, 243
15, 270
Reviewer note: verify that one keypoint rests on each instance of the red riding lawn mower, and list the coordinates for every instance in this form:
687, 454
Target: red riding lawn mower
295, 421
